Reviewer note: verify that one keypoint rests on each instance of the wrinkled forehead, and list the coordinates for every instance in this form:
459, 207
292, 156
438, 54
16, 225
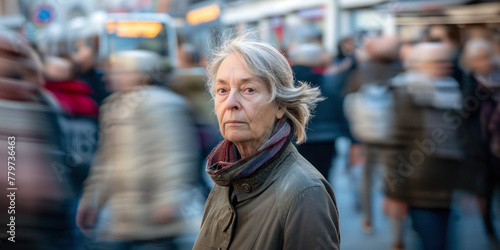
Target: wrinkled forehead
231, 64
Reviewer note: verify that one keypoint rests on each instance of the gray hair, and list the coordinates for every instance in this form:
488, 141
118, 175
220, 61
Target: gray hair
267, 63
476, 45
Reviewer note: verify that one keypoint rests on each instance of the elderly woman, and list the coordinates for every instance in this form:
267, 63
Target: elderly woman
267, 195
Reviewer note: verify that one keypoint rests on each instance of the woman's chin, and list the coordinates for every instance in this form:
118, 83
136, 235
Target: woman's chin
237, 136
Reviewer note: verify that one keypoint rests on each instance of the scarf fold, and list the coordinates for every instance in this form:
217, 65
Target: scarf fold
224, 164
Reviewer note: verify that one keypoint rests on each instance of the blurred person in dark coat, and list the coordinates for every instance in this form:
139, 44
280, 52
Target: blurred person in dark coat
84, 55
423, 172
481, 125
42, 204
328, 122
146, 162
78, 120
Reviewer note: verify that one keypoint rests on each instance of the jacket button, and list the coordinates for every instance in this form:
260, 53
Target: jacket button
246, 187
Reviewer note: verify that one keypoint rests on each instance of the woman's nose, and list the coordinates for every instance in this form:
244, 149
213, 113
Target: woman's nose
233, 100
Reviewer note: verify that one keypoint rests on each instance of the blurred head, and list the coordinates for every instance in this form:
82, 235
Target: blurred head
129, 69
84, 56
253, 86
58, 69
384, 48
18, 61
346, 47
478, 56
82, 35
433, 59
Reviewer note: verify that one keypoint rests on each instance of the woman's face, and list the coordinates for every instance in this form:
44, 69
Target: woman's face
245, 115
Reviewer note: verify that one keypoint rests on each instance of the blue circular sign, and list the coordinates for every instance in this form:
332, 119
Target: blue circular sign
43, 14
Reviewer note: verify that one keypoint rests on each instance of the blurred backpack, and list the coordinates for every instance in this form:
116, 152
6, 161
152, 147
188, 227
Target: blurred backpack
404, 109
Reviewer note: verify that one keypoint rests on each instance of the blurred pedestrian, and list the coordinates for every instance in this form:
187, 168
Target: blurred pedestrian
189, 81
328, 122
381, 63
84, 47
449, 35
145, 166
267, 196
39, 211
78, 119
424, 173
482, 124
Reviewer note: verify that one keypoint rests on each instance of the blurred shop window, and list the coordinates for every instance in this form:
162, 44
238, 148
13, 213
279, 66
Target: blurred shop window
304, 26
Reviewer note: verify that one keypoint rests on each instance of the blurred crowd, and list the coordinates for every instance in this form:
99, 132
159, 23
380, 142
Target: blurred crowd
423, 116
106, 159
114, 159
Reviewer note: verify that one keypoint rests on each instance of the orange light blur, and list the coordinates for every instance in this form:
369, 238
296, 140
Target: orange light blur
134, 28
203, 15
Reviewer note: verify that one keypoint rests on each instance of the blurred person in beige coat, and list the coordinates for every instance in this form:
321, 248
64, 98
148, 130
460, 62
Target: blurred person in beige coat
146, 162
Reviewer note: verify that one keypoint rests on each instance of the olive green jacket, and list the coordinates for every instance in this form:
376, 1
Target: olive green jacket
287, 205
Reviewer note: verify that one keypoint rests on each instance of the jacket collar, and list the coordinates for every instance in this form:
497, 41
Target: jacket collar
252, 186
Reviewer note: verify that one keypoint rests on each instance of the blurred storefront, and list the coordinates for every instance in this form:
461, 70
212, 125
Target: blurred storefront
284, 23
361, 16
473, 18
10, 14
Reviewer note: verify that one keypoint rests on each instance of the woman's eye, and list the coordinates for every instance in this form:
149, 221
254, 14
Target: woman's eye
221, 91
249, 90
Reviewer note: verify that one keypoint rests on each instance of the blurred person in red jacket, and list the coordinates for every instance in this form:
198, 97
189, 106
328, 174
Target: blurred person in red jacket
78, 119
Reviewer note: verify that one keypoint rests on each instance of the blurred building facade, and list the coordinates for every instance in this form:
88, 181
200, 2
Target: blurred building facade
286, 23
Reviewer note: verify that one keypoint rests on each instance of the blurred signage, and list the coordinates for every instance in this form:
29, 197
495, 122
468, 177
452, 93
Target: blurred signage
134, 28
203, 15
43, 14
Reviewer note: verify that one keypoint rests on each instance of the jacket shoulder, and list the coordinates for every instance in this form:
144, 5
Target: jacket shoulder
300, 175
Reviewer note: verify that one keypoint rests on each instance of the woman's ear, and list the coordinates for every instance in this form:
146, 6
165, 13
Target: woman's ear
280, 112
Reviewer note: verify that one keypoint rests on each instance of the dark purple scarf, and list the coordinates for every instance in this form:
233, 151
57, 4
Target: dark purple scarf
224, 164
